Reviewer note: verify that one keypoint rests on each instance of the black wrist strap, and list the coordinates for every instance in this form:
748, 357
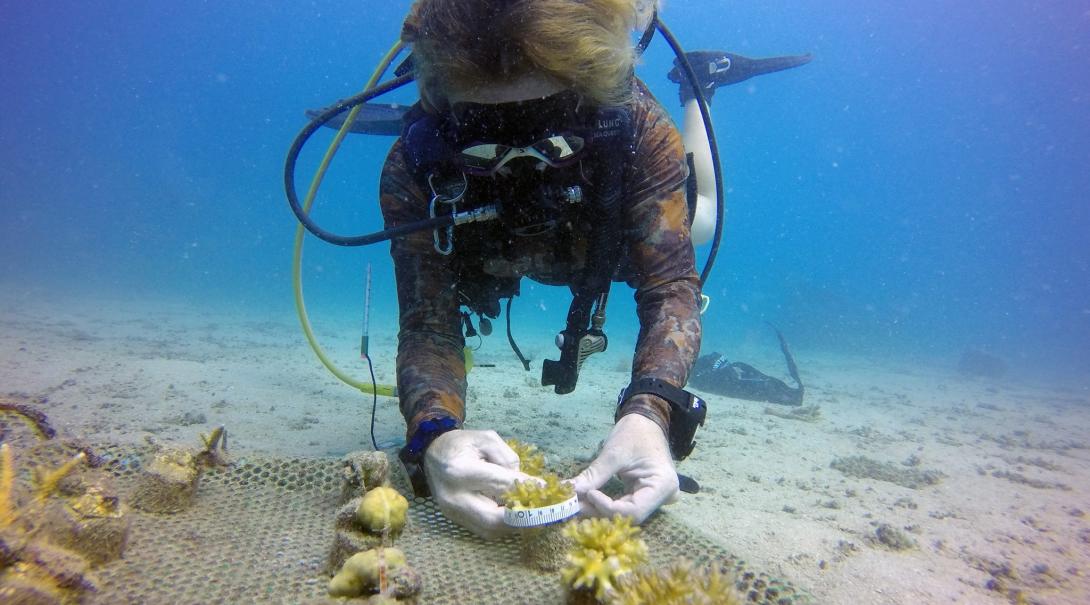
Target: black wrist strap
687, 411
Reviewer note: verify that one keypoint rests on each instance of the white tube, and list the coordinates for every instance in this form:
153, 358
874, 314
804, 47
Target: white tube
695, 139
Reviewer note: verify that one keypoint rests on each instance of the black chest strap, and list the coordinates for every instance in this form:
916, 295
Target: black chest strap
611, 148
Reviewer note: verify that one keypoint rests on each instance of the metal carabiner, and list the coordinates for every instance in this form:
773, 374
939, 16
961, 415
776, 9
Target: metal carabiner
437, 198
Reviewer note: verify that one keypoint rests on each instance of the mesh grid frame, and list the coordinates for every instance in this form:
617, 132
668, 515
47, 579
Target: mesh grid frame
260, 533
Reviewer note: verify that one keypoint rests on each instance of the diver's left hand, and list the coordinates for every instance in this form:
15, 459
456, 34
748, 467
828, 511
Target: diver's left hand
636, 452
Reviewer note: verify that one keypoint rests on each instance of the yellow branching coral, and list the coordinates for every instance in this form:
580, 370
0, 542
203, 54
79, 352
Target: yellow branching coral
678, 584
215, 448
46, 481
605, 549
531, 461
7, 485
531, 494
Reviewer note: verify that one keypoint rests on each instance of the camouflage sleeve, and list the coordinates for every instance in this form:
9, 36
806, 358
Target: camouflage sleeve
431, 377
661, 260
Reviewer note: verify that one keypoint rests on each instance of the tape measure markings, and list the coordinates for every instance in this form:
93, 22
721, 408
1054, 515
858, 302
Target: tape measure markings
534, 517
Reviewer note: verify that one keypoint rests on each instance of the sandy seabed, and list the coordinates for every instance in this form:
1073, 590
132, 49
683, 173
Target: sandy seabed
999, 516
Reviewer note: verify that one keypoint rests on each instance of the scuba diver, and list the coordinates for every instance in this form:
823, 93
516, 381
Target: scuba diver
714, 373
532, 105
535, 152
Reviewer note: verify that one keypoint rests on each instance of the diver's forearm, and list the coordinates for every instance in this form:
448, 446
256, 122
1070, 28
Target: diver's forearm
431, 377
668, 343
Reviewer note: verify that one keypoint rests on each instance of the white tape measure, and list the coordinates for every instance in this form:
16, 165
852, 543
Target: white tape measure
535, 517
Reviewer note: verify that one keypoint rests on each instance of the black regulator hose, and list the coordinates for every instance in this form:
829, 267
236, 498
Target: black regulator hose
293, 157
702, 103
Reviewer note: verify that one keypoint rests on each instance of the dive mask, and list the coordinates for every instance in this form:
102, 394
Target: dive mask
486, 159
488, 136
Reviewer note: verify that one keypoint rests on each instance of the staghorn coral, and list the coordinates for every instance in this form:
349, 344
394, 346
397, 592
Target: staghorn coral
32, 569
7, 482
45, 484
678, 584
214, 452
46, 480
531, 461
543, 545
531, 494
605, 550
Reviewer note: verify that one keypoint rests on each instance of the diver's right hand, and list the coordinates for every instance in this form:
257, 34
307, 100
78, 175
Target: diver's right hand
468, 471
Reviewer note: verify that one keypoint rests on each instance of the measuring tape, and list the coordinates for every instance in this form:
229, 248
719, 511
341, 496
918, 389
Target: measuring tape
535, 517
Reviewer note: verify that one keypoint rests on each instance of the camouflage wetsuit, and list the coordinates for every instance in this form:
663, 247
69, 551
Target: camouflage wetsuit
431, 378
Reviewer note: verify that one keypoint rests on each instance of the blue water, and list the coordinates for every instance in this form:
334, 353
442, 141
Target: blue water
920, 188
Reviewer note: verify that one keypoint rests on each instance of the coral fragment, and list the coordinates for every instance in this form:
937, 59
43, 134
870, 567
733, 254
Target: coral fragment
532, 494
605, 550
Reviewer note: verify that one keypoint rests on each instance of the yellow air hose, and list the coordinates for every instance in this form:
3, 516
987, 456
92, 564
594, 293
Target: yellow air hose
297, 256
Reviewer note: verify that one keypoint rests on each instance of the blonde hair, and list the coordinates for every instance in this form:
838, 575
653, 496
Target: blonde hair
584, 45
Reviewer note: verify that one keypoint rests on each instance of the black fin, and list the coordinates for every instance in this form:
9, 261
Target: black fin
792, 369
687, 484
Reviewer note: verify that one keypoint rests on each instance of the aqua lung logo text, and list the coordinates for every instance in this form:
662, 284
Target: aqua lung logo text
609, 124
607, 127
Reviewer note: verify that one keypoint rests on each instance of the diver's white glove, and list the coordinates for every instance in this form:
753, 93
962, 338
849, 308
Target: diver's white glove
636, 452
468, 471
